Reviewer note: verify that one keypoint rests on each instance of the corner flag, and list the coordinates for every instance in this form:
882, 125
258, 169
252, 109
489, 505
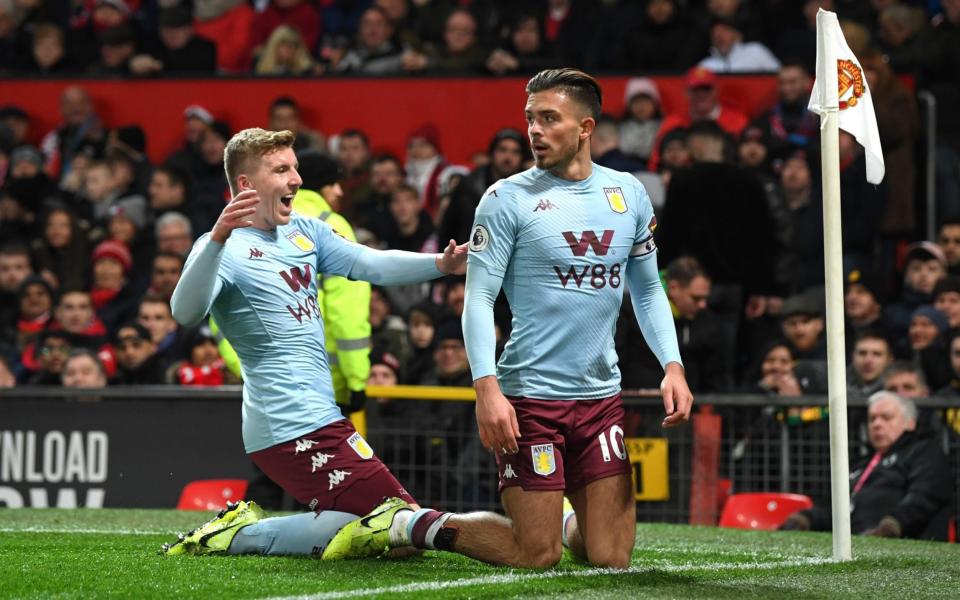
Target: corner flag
853, 94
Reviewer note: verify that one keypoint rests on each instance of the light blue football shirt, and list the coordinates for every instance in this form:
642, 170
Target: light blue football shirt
562, 247
265, 301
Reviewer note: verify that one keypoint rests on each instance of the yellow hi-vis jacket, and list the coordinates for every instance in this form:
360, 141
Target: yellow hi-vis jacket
345, 305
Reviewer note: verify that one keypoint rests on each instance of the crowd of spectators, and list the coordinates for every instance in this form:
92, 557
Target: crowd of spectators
94, 235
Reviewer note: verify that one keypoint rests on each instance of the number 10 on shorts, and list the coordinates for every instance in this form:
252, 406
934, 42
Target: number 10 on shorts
612, 440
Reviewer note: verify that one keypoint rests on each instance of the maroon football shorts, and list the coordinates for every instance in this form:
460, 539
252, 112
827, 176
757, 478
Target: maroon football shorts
565, 444
332, 468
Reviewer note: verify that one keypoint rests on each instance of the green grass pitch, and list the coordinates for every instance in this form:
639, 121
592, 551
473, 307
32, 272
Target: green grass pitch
112, 554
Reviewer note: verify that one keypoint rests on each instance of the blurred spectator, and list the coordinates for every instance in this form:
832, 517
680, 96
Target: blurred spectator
16, 121
174, 234
299, 14
168, 190
75, 315
425, 162
664, 40
118, 46
81, 131
802, 320
946, 299
712, 191
778, 374
872, 356
450, 360
799, 44
353, 152
49, 54
674, 153
729, 53
196, 121
285, 115
507, 152
53, 347
155, 315
948, 239
571, 26
126, 225
83, 370
387, 330
36, 301
210, 187
137, 360
165, 274
461, 54
454, 294
27, 182
906, 380
898, 120
605, 147
113, 298
863, 304
126, 150
98, 191
412, 229
375, 51
61, 255
372, 210
903, 489
925, 264
7, 379
229, 24
701, 340
203, 367
788, 125
285, 54
180, 49
15, 267
642, 118
704, 106
524, 51
927, 340
422, 320
384, 371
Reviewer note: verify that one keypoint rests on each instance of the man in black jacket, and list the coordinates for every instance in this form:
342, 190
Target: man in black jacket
903, 490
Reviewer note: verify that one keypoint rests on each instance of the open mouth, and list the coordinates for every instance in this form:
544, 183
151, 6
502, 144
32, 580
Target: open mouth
287, 200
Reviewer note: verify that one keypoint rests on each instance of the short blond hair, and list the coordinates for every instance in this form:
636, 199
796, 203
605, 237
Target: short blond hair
248, 144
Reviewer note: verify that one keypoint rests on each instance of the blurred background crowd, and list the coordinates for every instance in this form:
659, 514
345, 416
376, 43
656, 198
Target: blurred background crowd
94, 235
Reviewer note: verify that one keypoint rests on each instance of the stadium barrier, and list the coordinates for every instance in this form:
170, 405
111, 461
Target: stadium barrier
138, 447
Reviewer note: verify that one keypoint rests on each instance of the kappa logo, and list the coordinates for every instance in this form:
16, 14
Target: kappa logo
509, 473
543, 459
544, 205
360, 446
615, 199
255, 253
301, 241
337, 477
319, 460
304, 445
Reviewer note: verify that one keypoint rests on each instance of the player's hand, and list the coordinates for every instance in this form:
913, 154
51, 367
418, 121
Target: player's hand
453, 260
496, 418
677, 399
236, 214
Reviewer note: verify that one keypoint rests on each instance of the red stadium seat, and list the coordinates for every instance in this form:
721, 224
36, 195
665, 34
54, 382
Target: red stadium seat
211, 494
761, 510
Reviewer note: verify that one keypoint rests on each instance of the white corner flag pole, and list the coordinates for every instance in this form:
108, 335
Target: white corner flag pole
833, 271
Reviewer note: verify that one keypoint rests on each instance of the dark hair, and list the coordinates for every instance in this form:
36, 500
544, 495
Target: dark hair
581, 87
874, 334
904, 366
284, 101
15, 249
949, 220
177, 175
78, 352
684, 269
385, 158
358, 133
173, 255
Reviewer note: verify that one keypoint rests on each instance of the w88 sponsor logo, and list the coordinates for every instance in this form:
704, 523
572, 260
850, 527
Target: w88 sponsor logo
597, 276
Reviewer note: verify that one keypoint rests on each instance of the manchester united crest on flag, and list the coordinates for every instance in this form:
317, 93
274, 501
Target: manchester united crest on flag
301, 241
616, 200
543, 460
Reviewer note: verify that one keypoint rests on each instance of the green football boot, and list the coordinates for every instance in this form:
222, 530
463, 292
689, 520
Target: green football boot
367, 536
214, 536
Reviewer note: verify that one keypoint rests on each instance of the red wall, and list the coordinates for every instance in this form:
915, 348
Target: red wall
467, 111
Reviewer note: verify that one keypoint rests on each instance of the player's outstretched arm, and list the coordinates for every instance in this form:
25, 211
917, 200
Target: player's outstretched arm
199, 284
496, 418
653, 314
397, 267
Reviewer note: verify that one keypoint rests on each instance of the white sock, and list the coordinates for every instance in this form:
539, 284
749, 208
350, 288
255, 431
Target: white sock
564, 525
398, 529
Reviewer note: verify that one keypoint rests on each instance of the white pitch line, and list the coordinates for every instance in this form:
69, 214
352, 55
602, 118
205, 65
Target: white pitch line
517, 577
85, 531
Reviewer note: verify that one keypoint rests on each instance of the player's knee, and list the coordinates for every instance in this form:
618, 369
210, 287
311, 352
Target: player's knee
540, 557
610, 558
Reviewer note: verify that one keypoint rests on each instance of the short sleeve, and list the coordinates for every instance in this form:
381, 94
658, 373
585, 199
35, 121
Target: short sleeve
643, 242
494, 230
335, 254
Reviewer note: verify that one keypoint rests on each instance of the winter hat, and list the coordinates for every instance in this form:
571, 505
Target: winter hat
115, 250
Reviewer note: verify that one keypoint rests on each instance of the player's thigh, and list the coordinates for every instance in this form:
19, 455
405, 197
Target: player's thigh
536, 517
606, 518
